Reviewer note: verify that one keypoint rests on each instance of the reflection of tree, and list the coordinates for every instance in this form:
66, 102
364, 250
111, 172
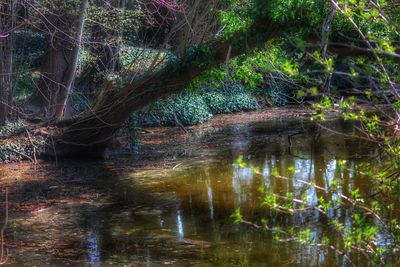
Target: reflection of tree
202, 197
4, 255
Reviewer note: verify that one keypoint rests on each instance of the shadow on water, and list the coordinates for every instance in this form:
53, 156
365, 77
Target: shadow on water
105, 213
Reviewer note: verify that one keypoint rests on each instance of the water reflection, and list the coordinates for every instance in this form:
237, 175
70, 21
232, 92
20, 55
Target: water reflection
179, 223
210, 200
241, 180
94, 249
182, 218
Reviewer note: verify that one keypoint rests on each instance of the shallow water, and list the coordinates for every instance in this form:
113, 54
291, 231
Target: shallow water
180, 215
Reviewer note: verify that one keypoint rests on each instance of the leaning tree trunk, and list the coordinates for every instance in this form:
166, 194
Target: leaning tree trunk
90, 132
59, 66
7, 26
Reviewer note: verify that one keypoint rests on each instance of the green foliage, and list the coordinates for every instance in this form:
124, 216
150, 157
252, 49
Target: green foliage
192, 108
299, 11
26, 85
30, 46
201, 56
237, 217
85, 59
235, 19
14, 145
126, 21
321, 108
12, 128
185, 108
229, 98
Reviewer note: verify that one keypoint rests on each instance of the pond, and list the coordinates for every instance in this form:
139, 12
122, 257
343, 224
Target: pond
176, 209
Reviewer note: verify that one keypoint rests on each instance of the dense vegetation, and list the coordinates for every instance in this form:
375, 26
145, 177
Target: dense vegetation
74, 72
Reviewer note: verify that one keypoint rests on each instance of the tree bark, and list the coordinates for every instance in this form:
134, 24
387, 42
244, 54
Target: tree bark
54, 65
7, 25
59, 65
89, 133
66, 89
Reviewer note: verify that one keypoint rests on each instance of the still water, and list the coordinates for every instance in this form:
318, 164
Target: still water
180, 215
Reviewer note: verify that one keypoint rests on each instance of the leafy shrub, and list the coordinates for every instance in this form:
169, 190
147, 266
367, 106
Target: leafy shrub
10, 150
188, 109
25, 86
12, 128
30, 46
15, 144
229, 98
191, 108
22, 149
216, 102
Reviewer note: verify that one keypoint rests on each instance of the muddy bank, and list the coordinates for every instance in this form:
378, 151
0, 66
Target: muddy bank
167, 142
22, 141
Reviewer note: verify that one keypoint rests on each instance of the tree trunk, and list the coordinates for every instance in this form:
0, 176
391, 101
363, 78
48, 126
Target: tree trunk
53, 69
59, 68
89, 132
7, 25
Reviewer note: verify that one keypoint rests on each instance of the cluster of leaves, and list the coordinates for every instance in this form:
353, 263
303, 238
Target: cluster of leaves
229, 98
183, 108
12, 128
15, 145
237, 18
27, 83
120, 22
300, 12
29, 46
190, 108
270, 72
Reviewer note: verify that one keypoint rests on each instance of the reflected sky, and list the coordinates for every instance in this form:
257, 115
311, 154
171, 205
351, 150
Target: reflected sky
94, 249
179, 224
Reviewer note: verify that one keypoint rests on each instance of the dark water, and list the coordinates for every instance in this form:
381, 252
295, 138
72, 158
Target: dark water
180, 216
